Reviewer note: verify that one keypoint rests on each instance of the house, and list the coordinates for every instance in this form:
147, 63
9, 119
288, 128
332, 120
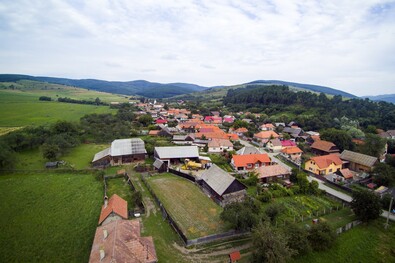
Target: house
153, 132
293, 153
274, 145
287, 143
323, 148
167, 131
390, 134
221, 186
160, 121
241, 131
219, 145
114, 209
267, 174
234, 256
248, 150
357, 161
183, 139
267, 127
346, 173
120, 241
176, 154
122, 151
265, 136
323, 165
245, 163
293, 132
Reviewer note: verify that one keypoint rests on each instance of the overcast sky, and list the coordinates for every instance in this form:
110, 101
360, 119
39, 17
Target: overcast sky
347, 45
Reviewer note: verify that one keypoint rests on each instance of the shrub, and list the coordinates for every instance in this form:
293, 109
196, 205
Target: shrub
265, 196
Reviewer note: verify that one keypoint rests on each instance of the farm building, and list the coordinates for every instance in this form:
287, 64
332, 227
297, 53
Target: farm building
357, 161
122, 151
267, 174
221, 186
176, 154
120, 241
114, 209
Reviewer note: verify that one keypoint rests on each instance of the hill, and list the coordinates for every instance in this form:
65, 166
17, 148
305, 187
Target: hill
137, 87
387, 97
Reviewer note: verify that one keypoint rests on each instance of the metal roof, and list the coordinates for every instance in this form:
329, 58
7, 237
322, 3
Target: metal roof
101, 155
248, 150
177, 152
158, 164
358, 158
127, 146
217, 179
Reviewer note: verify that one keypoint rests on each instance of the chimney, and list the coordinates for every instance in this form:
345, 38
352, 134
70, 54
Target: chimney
105, 201
105, 233
102, 254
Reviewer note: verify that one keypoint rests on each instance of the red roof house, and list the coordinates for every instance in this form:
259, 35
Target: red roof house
265, 136
234, 256
324, 147
115, 208
250, 161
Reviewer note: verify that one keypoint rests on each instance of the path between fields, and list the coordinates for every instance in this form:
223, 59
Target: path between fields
198, 255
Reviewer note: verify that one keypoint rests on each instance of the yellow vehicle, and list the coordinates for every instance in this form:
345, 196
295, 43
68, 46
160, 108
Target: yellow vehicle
191, 165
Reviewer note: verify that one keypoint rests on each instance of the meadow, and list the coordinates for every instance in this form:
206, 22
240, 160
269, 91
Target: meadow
196, 214
20, 106
48, 217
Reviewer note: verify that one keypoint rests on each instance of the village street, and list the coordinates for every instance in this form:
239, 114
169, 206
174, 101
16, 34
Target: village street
321, 184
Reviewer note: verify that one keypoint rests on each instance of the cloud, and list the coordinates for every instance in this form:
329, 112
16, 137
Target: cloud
342, 44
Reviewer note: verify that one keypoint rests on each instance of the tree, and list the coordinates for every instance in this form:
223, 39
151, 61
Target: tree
137, 198
340, 138
241, 216
366, 205
270, 245
50, 151
297, 238
383, 174
272, 211
313, 187
293, 178
321, 236
97, 101
145, 119
7, 156
303, 183
373, 145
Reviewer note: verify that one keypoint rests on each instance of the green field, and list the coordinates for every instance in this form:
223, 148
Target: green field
20, 106
79, 157
365, 243
48, 217
196, 214
120, 187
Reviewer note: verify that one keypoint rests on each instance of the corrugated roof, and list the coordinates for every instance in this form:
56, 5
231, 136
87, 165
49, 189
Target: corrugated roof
157, 164
217, 179
177, 152
127, 146
101, 155
358, 158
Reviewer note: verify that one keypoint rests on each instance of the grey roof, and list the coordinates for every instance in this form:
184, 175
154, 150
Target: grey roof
217, 179
276, 142
248, 150
127, 146
158, 163
177, 152
101, 154
358, 158
179, 137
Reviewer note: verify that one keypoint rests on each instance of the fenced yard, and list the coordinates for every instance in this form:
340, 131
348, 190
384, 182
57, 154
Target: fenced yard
195, 213
119, 186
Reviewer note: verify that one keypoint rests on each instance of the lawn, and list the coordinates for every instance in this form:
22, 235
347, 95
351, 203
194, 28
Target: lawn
365, 243
79, 157
196, 214
48, 217
120, 187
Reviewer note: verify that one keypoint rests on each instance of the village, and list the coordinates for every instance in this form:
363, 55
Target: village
228, 163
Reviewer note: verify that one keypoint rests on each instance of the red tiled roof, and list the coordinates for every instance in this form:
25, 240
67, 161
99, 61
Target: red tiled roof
219, 143
234, 256
153, 132
266, 135
272, 170
241, 130
291, 150
326, 160
324, 146
115, 205
233, 136
347, 173
243, 160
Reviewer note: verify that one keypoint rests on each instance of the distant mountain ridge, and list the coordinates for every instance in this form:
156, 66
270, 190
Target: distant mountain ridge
385, 97
159, 90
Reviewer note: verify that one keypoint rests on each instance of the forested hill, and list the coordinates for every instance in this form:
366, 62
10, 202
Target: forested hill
314, 88
137, 87
311, 110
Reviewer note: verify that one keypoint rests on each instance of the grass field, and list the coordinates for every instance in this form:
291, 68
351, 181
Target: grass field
196, 214
365, 243
21, 107
79, 157
48, 217
120, 187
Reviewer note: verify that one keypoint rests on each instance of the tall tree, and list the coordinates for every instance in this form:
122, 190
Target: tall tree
297, 238
366, 205
383, 174
374, 145
341, 138
321, 236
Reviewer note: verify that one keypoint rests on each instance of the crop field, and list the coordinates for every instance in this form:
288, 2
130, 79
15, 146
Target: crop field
196, 214
79, 157
48, 217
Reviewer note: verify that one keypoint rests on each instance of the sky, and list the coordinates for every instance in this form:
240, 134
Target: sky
347, 45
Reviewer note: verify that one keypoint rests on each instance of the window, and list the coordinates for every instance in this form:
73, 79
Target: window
257, 165
330, 170
249, 165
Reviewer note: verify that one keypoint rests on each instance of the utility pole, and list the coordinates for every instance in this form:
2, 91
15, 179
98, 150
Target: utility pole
389, 212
